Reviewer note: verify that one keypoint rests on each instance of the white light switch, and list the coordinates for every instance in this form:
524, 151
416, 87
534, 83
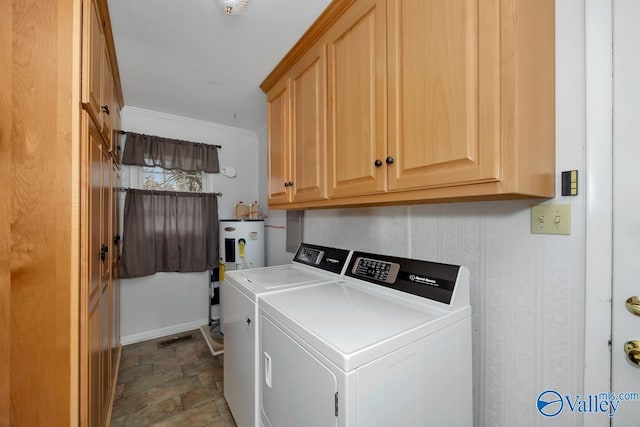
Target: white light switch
551, 219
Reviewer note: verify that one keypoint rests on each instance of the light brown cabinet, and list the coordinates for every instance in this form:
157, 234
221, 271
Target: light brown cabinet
296, 109
432, 101
98, 84
99, 158
59, 358
357, 100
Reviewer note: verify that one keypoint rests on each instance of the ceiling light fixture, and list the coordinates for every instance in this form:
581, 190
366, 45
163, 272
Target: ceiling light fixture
234, 7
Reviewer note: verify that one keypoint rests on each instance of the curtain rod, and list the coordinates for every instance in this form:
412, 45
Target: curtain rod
125, 189
124, 132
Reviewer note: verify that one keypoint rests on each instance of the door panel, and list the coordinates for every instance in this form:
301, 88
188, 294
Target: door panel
357, 101
436, 82
301, 389
308, 127
278, 119
92, 59
105, 215
626, 204
95, 176
93, 375
107, 98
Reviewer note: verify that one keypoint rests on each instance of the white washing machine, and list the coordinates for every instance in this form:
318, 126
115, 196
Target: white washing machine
388, 346
240, 293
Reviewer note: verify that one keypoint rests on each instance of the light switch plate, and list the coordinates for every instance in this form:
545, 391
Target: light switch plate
551, 219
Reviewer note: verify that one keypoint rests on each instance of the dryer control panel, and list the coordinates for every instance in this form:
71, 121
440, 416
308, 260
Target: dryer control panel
426, 279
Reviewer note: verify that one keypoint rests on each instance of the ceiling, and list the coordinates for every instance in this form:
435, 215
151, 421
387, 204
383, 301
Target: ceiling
188, 58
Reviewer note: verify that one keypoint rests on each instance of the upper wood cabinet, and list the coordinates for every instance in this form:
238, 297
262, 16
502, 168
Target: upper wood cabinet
444, 92
92, 59
278, 116
100, 94
357, 93
431, 100
296, 111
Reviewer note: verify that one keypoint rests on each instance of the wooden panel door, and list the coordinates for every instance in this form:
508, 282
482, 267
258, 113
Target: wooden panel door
308, 111
95, 177
115, 266
116, 127
278, 119
106, 240
92, 59
107, 98
94, 340
105, 346
356, 97
444, 92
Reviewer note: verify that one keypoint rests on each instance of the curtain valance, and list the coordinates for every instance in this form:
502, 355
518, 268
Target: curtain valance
149, 150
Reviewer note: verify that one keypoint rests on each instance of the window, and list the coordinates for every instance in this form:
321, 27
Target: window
156, 178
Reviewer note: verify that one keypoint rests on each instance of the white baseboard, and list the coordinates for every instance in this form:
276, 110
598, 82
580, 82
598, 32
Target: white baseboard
157, 333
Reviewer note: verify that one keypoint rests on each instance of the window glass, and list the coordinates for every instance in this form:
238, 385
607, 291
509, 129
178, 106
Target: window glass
156, 178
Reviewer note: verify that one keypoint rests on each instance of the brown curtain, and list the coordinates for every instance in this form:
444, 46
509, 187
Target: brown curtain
147, 150
169, 231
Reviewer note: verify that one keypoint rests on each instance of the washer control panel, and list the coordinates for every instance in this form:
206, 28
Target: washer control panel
375, 269
310, 255
325, 258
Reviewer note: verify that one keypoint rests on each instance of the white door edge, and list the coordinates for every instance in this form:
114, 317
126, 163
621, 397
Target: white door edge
599, 196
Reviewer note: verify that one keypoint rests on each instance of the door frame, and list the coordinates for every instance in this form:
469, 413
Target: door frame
598, 187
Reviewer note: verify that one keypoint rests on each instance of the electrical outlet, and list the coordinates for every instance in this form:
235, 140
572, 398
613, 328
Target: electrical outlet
551, 219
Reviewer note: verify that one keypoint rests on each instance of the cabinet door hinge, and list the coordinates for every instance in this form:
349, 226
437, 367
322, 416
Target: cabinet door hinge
336, 403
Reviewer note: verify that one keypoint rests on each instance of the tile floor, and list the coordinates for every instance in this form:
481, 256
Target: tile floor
176, 385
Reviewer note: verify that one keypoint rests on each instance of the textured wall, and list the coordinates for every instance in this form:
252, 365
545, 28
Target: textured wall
526, 292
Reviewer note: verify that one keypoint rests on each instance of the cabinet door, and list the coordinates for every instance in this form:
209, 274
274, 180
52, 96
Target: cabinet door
95, 227
94, 329
356, 99
116, 127
92, 58
105, 347
308, 112
278, 117
106, 239
107, 98
444, 92
115, 265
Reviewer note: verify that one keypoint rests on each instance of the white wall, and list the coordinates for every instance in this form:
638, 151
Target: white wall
527, 290
166, 303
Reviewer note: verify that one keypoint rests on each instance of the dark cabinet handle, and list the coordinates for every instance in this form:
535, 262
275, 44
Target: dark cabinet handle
248, 321
286, 184
378, 163
119, 148
105, 109
290, 184
103, 252
389, 160
116, 239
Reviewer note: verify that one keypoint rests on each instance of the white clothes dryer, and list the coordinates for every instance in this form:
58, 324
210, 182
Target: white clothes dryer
239, 296
388, 346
